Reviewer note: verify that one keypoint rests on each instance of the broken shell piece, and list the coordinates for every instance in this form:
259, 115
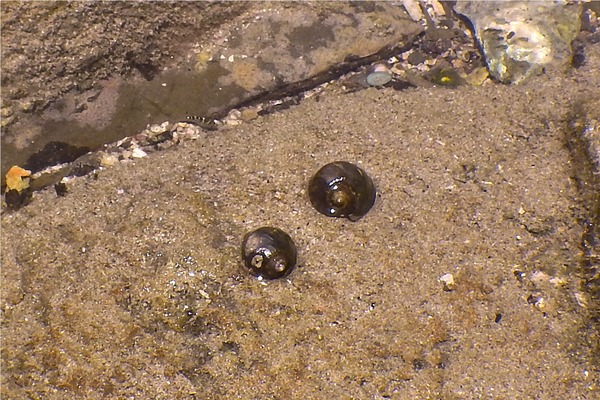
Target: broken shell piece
109, 160
413, 9
378, 78
448, 281
156, 129
380, 68
138, 153
233, 118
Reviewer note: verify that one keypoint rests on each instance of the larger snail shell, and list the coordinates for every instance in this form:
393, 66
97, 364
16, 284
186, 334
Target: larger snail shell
341, 189
269, 252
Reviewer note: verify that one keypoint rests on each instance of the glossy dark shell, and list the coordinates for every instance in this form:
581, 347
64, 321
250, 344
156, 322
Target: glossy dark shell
341, 189
269, 253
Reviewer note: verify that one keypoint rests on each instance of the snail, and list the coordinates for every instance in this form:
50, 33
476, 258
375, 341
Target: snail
269, 253
341, 189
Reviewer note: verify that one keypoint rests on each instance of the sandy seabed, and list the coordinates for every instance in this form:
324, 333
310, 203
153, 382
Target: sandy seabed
131, 286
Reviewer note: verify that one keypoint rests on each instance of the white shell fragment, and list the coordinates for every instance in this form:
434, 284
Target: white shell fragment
448, 281
378, 78
138, 153
109, 160
413, 8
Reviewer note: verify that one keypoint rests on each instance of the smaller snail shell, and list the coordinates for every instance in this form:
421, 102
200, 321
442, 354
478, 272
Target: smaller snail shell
341, 189
269, 252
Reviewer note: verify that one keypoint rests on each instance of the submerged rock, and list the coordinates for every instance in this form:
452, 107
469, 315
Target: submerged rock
520, 39
291, 44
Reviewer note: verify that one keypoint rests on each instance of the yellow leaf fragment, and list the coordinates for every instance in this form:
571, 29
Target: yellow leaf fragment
17, 178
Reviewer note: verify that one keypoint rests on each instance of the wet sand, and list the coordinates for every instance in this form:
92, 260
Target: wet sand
131, 286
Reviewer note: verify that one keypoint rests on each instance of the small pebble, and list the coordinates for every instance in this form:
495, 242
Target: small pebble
478, 76
6, 112
26, 105
233, 118
156, 128
249, 114
380, 68
4, 122
416, 58
109, 160
448, 281
138, 153
61, 189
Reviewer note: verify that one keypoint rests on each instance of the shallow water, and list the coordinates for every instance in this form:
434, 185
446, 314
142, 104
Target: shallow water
274, 48
123, 108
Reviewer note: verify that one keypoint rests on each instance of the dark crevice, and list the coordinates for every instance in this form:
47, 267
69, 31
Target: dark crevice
585, 173
296, 88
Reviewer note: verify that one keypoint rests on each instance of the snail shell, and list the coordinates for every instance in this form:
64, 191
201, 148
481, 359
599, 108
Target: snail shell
269, 252
341, 189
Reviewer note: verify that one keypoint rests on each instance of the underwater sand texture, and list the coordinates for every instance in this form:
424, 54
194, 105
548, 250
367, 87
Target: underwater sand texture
131, 286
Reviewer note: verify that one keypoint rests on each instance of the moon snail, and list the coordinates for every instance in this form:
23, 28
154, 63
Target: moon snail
269, 253
341, 189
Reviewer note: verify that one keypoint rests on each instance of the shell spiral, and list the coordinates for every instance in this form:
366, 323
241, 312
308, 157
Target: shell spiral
341, 189
269, 253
